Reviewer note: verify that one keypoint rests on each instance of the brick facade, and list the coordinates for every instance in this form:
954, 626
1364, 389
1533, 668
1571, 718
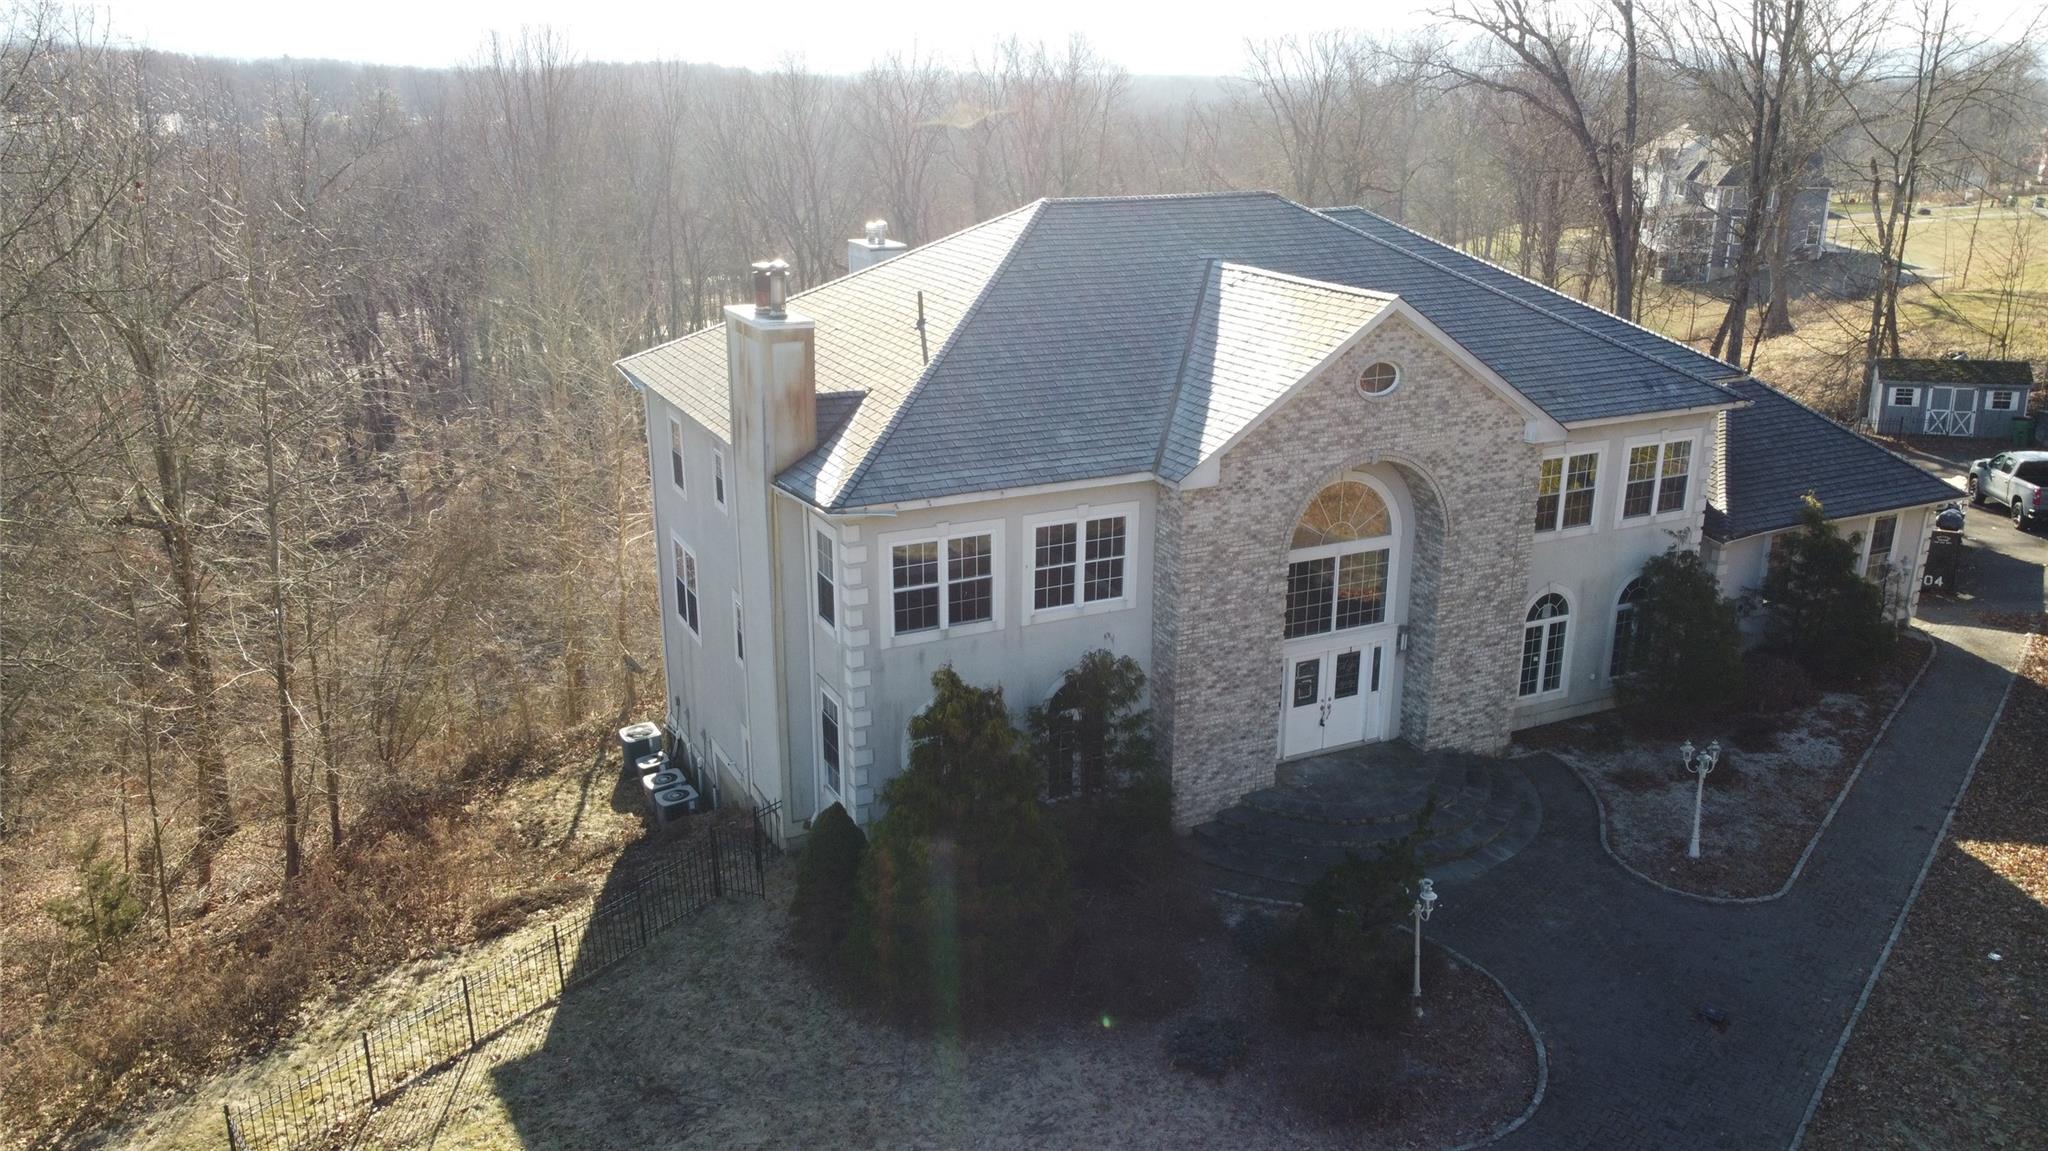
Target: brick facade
1221, 565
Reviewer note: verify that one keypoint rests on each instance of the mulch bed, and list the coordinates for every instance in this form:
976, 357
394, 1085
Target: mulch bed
1764, 799
1952, 1050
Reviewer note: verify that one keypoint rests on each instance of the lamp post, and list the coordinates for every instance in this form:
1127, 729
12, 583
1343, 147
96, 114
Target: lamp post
1700, 765
1425, 902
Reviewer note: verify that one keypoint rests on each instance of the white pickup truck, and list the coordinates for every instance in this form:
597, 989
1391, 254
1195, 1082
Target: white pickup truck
2015, 479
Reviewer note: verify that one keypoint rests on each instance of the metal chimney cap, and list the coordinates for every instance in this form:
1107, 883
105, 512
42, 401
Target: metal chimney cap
878, 233
771, 288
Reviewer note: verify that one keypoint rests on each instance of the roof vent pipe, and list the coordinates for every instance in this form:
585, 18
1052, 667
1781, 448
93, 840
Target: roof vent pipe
771, 289
878, 233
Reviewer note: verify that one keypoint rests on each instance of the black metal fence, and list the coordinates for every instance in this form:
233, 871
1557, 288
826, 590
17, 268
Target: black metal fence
717, 862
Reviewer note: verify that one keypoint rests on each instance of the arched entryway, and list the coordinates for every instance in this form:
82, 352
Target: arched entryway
1346, 565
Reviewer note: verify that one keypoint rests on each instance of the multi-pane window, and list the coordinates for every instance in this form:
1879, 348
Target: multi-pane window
827, 589
1658, 475
1564, 491
2001, 401
966, 594
686, 586
1627, 633
828, 740
675, 455
1883, 530
1053, 554
1905, 397
1336, 592
916, 573
718, 477
1104, 577
1543, 646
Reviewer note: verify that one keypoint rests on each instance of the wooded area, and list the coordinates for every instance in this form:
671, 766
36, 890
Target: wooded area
315, 477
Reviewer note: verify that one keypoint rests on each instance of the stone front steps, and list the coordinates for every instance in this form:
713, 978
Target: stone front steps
1276, 841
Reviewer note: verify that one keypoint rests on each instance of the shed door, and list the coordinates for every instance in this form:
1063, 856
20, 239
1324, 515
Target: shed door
1951, 411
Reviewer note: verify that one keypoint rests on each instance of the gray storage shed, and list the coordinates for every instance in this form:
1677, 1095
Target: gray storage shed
1950, 397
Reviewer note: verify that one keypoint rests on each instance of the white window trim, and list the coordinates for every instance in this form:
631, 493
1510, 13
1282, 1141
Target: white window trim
836, 575
1564, 665
1613, 626
1400, 377
886, 545
1600, 470
1870, 537
1992, 396
718, 478
1695, 481
739, 631
818, 745
1027, 547
677, 449
1891, 396
676, 542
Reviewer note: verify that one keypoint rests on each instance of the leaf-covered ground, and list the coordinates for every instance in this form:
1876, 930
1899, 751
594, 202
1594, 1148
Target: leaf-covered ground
1952, 1050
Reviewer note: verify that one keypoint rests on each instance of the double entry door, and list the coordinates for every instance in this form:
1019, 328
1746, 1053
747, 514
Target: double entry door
1332, 696
1951, 411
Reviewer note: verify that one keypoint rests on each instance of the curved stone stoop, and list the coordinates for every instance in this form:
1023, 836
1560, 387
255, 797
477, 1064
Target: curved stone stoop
1279, 839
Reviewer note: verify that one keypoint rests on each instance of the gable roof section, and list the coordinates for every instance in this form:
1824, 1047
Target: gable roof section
1992, 373
1778, 450
1254, 336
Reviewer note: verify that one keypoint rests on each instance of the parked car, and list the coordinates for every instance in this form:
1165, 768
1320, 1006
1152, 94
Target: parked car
2015, 479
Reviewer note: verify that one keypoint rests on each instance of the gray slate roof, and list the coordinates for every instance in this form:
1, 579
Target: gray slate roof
1778, 450
1991, 373
1060, 335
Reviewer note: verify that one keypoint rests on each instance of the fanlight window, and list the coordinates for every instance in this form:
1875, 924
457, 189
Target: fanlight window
1345, 511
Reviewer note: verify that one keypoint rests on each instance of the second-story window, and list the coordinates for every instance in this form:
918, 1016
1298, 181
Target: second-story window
828, 589
686, 586
1564, 491
718, 476
675, 456
739, 632
1104, 577
1079, 558
943, 582
1658, 477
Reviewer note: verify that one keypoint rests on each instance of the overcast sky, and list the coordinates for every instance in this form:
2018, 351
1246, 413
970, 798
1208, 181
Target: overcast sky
1158, 37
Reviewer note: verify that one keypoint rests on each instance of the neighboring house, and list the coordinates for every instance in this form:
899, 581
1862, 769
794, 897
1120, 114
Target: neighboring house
1953, 396
1695, 206
1327, 480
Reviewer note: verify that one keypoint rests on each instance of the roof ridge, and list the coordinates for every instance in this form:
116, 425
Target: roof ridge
1225, 194
1563, 319
1212, 268
917, 387
1307, 281
838, 280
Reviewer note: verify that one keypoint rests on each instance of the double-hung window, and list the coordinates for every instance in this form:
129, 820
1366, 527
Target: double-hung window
1659, 476
1079, 558
1877, 565
718, 477
675, 456
944, 582
828, 741
828, 588
686, 585
1564, 491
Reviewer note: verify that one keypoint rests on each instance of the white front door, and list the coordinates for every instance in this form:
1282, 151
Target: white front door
1333, 697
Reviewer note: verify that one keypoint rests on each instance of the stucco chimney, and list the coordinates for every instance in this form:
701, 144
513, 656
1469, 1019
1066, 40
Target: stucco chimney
771, 365
873, 248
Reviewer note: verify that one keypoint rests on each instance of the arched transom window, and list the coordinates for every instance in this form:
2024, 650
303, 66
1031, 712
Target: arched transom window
1543, 646
1337, 570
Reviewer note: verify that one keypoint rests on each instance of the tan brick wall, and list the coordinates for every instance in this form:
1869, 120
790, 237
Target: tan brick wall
1222, 565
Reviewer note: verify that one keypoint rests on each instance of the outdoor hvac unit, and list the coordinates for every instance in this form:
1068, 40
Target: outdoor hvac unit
647, 765
637, 740
660, 781
673, 803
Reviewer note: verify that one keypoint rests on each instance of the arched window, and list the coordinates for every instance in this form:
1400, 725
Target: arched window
1337, 570
1543, 646
1627, 636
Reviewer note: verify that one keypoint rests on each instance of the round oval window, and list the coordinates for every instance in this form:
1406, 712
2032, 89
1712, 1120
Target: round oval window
1379, 379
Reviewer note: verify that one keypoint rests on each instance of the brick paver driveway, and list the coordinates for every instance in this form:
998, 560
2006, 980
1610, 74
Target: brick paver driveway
1615, 972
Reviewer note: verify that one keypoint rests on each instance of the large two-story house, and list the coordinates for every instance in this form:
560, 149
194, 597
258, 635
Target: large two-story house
1696, 207
1328, 480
